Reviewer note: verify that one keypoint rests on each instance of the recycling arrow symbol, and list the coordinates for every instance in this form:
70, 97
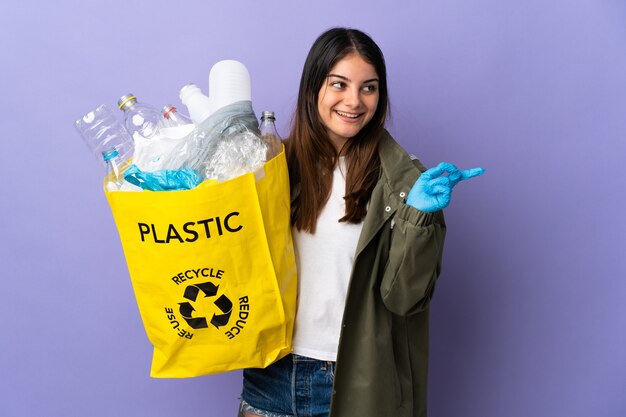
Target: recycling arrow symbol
226, 306
186, 308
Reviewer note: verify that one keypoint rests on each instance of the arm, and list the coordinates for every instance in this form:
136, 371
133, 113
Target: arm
414, 261
417, 240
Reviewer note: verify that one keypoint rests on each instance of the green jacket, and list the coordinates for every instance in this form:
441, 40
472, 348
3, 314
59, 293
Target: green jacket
383, 350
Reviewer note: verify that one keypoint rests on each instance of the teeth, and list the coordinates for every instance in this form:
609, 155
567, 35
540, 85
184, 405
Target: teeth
350, 115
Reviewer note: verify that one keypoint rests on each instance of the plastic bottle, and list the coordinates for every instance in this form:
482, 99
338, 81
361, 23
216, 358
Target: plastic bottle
229, 82
270, 135
114, 176
101, 131
173, 118
198, 105
139, 118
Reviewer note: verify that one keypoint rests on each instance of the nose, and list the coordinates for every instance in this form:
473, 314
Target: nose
353, 97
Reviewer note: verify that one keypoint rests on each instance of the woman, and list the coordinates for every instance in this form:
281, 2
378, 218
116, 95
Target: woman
369, 239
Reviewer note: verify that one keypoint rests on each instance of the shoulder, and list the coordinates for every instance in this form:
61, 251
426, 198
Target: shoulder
394, 156
417, 163
398, 169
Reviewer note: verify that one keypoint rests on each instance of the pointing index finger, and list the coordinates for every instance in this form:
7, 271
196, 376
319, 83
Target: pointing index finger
471, 173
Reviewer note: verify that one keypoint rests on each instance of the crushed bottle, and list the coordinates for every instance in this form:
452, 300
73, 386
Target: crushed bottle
102, 131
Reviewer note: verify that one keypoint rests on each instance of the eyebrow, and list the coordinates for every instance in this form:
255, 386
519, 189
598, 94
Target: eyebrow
347, 79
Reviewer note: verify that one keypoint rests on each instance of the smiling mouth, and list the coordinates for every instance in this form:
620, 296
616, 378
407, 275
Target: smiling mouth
348, 115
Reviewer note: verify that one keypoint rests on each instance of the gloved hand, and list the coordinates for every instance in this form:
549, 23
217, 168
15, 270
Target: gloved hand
432, 190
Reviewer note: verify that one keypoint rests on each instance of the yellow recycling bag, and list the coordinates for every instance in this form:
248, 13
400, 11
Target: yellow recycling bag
213, 270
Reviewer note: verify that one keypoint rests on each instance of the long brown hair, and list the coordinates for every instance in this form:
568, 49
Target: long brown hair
311, 156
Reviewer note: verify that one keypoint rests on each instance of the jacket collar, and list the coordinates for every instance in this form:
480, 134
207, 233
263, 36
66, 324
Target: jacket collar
398, 174
398, 169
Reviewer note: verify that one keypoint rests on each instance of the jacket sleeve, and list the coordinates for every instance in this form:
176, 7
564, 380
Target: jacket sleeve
414, 261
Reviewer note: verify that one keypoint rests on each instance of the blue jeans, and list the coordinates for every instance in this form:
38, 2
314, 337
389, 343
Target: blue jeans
295, 386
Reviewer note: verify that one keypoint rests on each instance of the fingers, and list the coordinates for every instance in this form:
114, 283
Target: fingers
443, 195
442, 190
454, 174
471, 173
433, 189
439, 182
439, 170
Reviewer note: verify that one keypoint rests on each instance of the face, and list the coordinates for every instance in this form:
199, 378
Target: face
348, 98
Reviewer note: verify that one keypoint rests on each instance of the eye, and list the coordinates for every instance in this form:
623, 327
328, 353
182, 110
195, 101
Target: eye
337, 84
371, 88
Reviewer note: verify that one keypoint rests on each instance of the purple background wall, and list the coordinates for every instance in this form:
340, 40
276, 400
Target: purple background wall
529, 318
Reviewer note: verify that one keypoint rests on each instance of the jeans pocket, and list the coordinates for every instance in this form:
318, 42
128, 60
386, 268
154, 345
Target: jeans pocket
328, 370
331, 371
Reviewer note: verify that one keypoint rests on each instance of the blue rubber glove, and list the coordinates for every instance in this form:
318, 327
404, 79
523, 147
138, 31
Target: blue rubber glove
163, 180
432, 190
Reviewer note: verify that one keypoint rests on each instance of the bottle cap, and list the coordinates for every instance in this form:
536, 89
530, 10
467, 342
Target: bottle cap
126, 102
167, 110
109, 154
268, 115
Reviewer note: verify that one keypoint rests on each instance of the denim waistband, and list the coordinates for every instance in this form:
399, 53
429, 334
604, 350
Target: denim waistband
293, 386
299, 358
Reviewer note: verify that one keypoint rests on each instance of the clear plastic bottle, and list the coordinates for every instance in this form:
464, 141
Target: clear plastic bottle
114, 178
173, 118
270, 135
101, 131
140, 118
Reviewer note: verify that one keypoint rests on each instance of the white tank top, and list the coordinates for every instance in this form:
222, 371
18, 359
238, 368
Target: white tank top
324, 262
